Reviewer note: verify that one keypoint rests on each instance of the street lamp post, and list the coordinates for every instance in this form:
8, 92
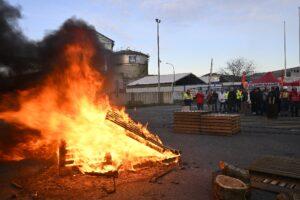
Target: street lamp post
299, 33
284, 48
173, 80
158, 62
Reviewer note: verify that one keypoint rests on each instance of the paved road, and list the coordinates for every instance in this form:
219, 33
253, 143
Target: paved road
200, 153
203, 152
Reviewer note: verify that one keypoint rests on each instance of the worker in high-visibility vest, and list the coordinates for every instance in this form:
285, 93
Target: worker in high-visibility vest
226, 101
187, 98
222, 100
239, 97
284, 101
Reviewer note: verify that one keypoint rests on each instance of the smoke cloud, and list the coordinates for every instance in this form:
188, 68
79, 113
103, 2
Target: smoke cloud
16, 51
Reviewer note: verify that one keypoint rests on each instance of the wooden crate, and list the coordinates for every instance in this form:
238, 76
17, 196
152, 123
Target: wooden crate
188, 122
222, 124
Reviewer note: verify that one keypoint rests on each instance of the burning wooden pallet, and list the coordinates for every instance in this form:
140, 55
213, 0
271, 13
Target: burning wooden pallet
188, 122
134, 131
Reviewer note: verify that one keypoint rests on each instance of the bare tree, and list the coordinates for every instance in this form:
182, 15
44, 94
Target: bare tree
238, 66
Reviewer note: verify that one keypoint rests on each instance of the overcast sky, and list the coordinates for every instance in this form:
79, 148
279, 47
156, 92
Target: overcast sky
192, 31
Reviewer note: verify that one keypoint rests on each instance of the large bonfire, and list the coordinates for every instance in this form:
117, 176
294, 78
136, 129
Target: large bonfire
70, 105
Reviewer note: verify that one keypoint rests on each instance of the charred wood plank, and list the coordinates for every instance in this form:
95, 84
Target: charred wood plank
134, 131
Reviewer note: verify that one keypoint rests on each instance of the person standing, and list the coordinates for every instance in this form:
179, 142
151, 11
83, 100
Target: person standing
238, 100
277, 94
284, 99
259, 102
231, 100
253, 101
187, 98
295, 102
209, 99
222, 99
272, 109
244, 101
265, 100
199, 99
226, 101
215, 101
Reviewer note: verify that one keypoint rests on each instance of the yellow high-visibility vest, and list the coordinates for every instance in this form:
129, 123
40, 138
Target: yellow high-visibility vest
239, 95
226, 95
187, 96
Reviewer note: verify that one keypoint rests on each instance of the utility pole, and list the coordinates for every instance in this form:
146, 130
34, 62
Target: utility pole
284, 43
299, 33
210, 74
158, 62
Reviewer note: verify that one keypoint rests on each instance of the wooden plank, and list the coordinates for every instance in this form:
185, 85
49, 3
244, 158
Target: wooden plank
187, 120
188, 128
282, 166
187, 131
219, 125
219, 131
274, 183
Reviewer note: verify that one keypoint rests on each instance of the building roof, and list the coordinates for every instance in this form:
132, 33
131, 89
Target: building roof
276, 73
130, 52
164, 79
101, 35
230, 78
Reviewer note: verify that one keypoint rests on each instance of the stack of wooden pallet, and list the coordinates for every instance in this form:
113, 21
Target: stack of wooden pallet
223, 124
202, 122
188, 122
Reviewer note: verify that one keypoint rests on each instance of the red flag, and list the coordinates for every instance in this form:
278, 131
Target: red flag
244, 81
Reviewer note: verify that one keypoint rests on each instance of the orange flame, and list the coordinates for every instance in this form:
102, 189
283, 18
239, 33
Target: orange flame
71, 106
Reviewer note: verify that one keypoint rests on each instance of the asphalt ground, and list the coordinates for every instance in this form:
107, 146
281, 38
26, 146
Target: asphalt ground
200, 156
202, 153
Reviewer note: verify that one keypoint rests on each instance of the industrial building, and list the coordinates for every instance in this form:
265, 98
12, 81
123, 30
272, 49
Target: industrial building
128, 66
144, 91
123, 67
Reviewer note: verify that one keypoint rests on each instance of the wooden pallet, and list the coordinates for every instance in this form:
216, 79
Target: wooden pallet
223, 124
188, 122
276, 174
205, 123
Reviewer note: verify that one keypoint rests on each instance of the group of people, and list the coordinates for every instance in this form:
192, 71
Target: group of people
269, 101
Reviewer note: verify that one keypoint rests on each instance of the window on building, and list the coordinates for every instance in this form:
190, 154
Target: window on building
132, 59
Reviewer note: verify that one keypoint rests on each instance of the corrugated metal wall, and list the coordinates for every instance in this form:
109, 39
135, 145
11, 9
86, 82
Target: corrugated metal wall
147, 98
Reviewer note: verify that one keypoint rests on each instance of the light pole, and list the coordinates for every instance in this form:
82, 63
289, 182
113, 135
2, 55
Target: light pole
158, 62
173, 80
284, 48
299, 33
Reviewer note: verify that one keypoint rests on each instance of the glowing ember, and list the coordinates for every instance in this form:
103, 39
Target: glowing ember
71, 106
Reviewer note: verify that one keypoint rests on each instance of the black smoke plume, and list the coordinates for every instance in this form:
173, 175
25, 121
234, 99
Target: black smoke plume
16, 51
30, 61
